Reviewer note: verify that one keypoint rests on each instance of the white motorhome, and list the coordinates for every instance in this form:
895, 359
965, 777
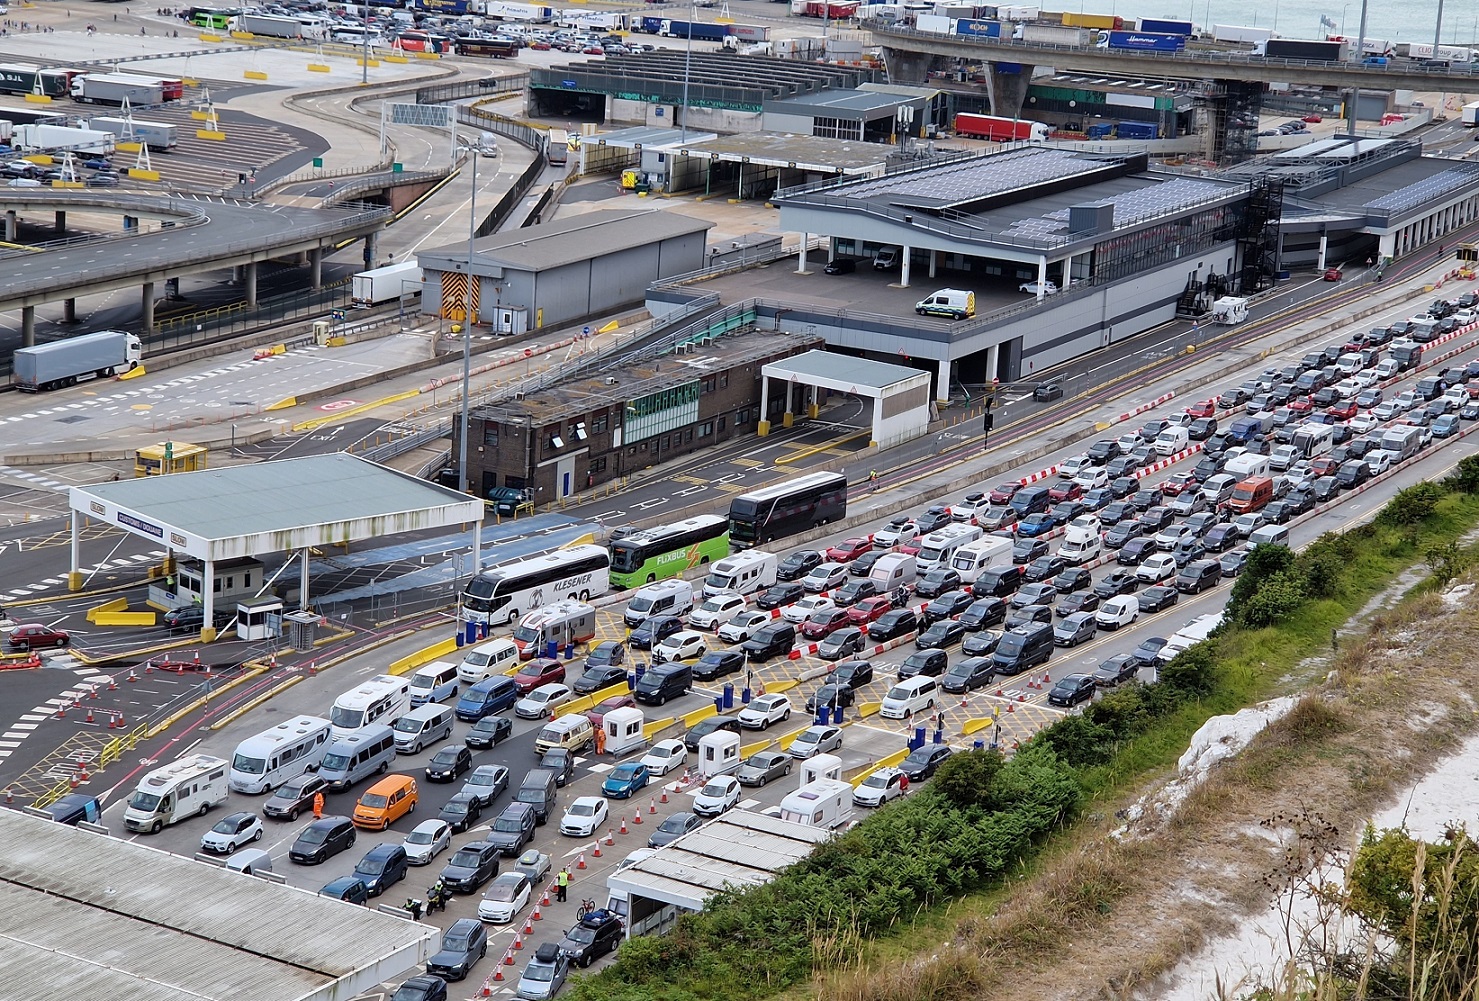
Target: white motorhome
743, 573
265, 761
1247, 465
184, 788
939, 547
564, 623
1082, 539
824, 799
972, 558
379, 700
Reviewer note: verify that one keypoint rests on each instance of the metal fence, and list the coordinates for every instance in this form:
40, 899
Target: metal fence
234, 318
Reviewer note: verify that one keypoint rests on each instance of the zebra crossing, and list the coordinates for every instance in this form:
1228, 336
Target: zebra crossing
35, 588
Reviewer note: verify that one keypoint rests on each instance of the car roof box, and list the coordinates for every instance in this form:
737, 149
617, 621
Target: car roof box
547, 953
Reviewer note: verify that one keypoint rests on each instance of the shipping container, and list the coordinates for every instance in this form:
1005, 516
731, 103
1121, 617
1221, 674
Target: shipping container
1137, 130
1241, 33
1052, 34
1425, 50
1145, 41
1103, 22
832, 10
972, 28
114, 88
1307, 49
998, 129
1164, 27
750, 32
35, 115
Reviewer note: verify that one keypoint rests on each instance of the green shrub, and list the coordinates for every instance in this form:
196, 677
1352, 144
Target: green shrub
1465, 477
966, 780
1193, 671
1263, 562
1415, 504
1277, 597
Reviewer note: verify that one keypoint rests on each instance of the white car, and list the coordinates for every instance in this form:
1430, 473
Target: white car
682, 645
231, 832
1033, 288
1073, 465
1129, 442
899, 532
1347, 389
1247, 524
718, 794
1408, 400
1379, 459
765, 710
583, 817
879, 787
1361, 424
742, 624
797, 611
1167, 538
1157, 568
716, 610
426, 841
825, 577
1386, 410
816, 740
505, 897
1092, 477
542, 701
635, 856
665, 756
1366, 378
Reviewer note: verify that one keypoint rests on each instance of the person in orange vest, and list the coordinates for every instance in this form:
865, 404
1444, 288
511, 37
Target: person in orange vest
318, 806
601, 739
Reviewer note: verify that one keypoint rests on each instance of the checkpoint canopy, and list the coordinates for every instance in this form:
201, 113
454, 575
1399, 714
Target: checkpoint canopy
899, 396
284, 506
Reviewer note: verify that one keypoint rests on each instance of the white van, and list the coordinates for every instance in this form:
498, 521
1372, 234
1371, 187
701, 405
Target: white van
894, 570
573, 732
743, 573
421, 727
1219, 489
972, 558
1269, 535
365, 752
1121, 610
184, 788
434, 682
1172, 440
1349, 364
957, 304
910, 696
487, 659
1082, 539
938, 548
1247, 466
267, 760
666, 597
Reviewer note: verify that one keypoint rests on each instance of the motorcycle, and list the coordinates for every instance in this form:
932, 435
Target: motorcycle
437, 897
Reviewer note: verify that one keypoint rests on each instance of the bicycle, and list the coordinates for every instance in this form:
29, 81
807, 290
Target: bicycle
586, 907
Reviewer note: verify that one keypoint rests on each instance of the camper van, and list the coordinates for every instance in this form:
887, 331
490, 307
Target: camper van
379, 700
267, 760
974, 557
367, 751
184, 788
742, 573
564, 623
487, 659
938, 548
824, 799
1082, 540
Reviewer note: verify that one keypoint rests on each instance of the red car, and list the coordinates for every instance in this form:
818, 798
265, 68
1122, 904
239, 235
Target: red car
1178, 484
820, 625
849, 549
599, 711
1324, 466
1301, 405
1207, 408
1333, 274
32, 635
909, 548
1344, 409
539, 671
869, 609
1003, 493
1065, 490
1312, 118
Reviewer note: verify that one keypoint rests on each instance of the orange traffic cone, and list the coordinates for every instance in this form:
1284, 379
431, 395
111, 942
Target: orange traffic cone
148, 667
9, 795
498, 972
89, 715
610, 837
518, 943
497, 977
664, 794
623, 825
543, 902
112, 683
597, 852
92, 691
528, 927
61, 711
536, 915
508, 958
651, 805
580, 862
132, 676
637, 817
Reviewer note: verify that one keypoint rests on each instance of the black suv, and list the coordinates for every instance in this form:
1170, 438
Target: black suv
513, 829
893, 624
471, 866
596, 934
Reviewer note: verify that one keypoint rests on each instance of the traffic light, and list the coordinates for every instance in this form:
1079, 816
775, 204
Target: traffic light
987, 423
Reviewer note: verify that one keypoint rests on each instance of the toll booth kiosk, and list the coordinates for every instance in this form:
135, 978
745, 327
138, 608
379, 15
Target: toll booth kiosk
718, 753
259, 618
624, 729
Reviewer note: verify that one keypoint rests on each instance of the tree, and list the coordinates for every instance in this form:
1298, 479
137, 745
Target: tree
1446, 562
1276, 597
1466, 476
967, 779
1193, 671
1263, 562
1413, 505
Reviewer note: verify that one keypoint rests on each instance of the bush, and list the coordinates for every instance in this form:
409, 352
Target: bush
1193, 671
1324, 562
1417, 503
967, 780
1446, 562
1263, 562
1465, 476
1276, 597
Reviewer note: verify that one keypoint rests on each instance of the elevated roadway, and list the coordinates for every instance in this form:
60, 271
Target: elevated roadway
209, 234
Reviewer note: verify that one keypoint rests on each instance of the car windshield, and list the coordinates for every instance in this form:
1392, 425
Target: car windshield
624, 771
227, 826
510, 825
716, 789
468, 859
408, 725
674, 824
583, 810
335, 762
146, 801
314, 836
541, 972
347, 719
876, 782
368, 866
581, 934
479, 778
455, 807
454, 939
525, 634
293, 789
248, 766
445, 756
420, 838
372, 801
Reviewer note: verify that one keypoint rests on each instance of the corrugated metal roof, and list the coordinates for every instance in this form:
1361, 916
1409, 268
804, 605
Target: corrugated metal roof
87, 916
570, 241
843, 371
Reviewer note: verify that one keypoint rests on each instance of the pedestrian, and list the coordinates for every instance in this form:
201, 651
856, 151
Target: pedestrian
562, 883
601, 739
873, 480
318, 806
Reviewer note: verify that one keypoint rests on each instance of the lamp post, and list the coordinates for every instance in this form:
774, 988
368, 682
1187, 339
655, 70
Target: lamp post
464, 483
687, 63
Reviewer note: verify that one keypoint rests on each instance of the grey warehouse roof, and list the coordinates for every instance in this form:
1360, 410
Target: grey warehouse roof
273, 507
846, 103
861, 373
570, 241
83, 915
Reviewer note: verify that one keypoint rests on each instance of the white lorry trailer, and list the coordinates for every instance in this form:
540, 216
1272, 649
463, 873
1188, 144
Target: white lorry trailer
155, 135
272, 26
61, 138
112, 88
384, 284
62, 363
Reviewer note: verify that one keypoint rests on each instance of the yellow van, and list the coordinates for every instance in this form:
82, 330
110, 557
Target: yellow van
385, 802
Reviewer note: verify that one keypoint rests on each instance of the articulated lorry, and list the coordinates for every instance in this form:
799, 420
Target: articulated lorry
21, 79
61, 139
62, 363
370, 288
997, 128
155, 135
113, 88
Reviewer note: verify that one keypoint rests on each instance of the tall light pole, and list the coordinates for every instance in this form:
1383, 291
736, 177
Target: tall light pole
1438, 30
468, 320
1360, 55
687, 66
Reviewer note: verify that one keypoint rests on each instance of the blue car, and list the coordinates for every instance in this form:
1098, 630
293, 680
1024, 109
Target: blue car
1446, 426
625, 780
1034, 525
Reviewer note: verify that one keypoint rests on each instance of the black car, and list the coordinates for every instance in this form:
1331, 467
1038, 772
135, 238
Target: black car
1122, 487
944, 633
1233, 563
599, 676
653, 630
382, 867
560, 760
1102, 451
1202, 428
717, 663
926, 662
189, 618
294, 797
1155, 518
512, 829
863, 565
488, 731
935, 516
1123, 531
893, 624
798, 564
1122, 467
983, 612
1072, 579
947, 605
1084, 601
463, 944
1027, 550
854, 674
1116, 583
322, 840
967, 675
1149, 649
1116, 670
1132, 553
922, 762
448, 763
830, 695
1043, 568
461, 811
1116, 514
1145, 498
1158, 598
704, 727
854, 591
1220, 537
937, 582
423, 988
1047, 392
777, 595
1072, 690
471, 866
594, 935
1279, 512
981, 644
1326, 487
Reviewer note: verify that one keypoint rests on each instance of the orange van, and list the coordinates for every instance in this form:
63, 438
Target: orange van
385, 802
1253, 494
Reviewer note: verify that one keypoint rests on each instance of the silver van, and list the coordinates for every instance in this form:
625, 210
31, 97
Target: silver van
434, 682
666, 597
365, 752
422, 727
252, 861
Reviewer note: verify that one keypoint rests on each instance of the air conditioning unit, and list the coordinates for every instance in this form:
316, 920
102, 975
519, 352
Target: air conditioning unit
611, 380
519, 395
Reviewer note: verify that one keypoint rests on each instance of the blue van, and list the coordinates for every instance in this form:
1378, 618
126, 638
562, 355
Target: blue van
491, 695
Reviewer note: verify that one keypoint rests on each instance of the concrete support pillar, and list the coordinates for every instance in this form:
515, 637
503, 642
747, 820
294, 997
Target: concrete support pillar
993, 362
302, 579
934, 255
1320, 260
942, 391
801, 255
236, 274
316, 263
147, 300
69, 310
61, 220
208, 600
762, 426
1387, 246
370, 244
251, 285
788, 416
1008, 91
1042, 276
813, 407
74, 571
28, 326
904, 268
10, 226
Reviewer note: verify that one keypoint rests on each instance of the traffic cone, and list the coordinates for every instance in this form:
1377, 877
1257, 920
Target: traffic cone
81, 770
610, 837
1011, 707
9, 796
518, 943
1047, 679
119, 719
197, 658
543, 901
965, 702
498, 970
89, 715
528, 926
580, 861
623, 825
112, 683
637, 817
651, 805
61, 711
508, 958
664, 794
132, 676
488, 990
536, 915
72, 781
148, 667
92, 691
597, 852
113, 722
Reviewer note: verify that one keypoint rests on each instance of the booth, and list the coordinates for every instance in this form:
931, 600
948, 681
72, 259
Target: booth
718, 753
259, 618
624, 729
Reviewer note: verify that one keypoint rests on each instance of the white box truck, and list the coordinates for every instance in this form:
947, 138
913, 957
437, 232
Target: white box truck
62, 138
1229, 310
270, 25
62, 363
184, 788
112, 88
155, 135
385, 284
1471, 115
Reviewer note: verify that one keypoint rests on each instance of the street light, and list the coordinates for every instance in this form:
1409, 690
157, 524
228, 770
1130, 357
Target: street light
470, 318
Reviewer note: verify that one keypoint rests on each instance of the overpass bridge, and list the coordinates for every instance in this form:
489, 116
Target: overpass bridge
1232, 82
205, 234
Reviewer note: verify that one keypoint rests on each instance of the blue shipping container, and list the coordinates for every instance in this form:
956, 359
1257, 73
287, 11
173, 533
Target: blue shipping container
980, 29
1161, 27
1146, 40
1137, 130
1100, 131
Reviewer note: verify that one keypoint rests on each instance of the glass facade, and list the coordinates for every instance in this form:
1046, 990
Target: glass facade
1159, 244
661, 412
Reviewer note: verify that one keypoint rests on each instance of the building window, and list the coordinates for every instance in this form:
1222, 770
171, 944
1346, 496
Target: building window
710, 384
598, 465
577, 431
688, 438
490, 434
723, 380
600, 423
742, 417
721, 425
836, 128
705, 429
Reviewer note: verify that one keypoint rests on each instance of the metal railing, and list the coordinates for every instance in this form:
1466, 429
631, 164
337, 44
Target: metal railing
491, 121
235, 318
399, 442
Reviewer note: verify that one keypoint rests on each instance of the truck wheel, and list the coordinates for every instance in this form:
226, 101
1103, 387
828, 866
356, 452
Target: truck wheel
158, 826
